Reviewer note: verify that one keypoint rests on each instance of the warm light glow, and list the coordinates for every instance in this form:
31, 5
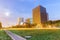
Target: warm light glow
21, 23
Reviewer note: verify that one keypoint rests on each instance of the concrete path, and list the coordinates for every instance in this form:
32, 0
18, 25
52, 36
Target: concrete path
14, 36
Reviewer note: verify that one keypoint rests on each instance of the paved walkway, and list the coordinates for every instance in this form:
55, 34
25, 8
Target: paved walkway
14, 36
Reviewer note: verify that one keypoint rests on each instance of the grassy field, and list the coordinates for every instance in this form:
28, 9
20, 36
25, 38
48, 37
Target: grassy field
4, 36
42, 34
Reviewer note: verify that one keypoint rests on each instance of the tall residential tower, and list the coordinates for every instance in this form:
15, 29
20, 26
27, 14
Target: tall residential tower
39, 15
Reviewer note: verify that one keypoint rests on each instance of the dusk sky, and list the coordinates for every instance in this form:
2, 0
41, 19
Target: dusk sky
10, 10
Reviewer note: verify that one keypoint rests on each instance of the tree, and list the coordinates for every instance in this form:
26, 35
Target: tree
0, 25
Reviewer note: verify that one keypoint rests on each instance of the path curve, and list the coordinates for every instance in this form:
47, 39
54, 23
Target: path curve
14, 36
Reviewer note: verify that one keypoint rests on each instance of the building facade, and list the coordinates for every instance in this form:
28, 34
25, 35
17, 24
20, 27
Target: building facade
39, 15
20, 20
28, 20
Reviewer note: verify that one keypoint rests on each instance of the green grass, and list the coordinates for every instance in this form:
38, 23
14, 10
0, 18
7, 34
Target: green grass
4, 36
39, 34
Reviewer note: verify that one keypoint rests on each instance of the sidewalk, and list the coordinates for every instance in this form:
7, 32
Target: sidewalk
14, 36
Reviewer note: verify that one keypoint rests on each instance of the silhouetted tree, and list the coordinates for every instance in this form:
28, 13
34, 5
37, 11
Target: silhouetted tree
0, 25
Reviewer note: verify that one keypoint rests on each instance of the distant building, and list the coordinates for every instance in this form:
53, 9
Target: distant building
20, 21
39, 15
28, 20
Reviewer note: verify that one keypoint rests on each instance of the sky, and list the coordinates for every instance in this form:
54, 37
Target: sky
10, 10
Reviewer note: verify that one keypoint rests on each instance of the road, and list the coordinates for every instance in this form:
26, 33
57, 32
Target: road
14, 36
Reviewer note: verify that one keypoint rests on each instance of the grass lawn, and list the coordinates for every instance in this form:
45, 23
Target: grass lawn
42, 34
4, 36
